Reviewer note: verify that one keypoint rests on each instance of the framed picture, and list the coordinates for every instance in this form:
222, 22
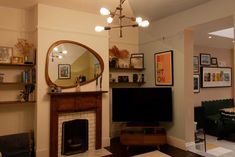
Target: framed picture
205, 59
64, 71
5, 54
17, 60
195, 64
196, 83
163, 63
137, 55
214, 61
216, 77
137, 61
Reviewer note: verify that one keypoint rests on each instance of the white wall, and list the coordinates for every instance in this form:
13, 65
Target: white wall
168, 34
62, 24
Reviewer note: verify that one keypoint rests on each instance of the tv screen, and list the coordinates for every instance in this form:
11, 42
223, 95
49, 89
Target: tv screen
143, 105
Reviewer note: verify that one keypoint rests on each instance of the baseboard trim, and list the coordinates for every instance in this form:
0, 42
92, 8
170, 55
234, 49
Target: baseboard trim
176, 142
42, 153
106, 142
190, 145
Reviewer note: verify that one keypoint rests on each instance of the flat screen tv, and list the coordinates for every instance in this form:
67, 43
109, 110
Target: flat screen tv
142, 105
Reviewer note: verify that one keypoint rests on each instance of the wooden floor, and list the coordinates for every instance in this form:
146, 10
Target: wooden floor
119, 150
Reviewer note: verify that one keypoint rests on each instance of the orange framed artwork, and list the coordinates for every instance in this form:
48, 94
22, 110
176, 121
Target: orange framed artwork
164, 68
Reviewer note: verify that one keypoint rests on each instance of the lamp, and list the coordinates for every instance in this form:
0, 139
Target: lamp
136, 21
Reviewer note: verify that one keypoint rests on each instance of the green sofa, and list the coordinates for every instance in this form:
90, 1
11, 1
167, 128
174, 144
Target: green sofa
212, 119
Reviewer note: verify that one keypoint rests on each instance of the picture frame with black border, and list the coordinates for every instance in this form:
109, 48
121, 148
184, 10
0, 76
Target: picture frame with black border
205, 59
137, 61
214, 77
195, 64
214, 61
137, 55
196, 83
64, 71
164, 69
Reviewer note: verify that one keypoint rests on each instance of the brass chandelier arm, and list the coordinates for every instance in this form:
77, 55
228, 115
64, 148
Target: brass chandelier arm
122, 26
118, 13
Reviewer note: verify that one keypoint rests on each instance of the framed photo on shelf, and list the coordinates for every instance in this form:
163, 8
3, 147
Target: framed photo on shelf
195, 64
17, 60
196, 83
163, 63
216, 77
64, 71
214, 61
205, 59
5, 54
137, 61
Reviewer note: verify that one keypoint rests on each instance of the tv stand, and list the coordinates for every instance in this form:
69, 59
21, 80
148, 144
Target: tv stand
147, 136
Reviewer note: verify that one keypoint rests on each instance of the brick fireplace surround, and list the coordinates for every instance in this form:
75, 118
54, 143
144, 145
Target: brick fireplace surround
69, 102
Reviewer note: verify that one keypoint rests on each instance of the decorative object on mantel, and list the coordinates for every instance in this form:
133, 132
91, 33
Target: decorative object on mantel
27, 50
99, 83
54, 89
117, 14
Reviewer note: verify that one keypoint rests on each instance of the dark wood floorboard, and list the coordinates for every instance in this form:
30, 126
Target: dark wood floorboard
119, 150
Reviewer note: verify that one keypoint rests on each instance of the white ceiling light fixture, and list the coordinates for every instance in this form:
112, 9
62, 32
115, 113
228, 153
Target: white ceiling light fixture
135, 22
227, 33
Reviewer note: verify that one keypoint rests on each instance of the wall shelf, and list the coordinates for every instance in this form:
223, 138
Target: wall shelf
16, 65
126, 83
16, 102
126, 69
13, 83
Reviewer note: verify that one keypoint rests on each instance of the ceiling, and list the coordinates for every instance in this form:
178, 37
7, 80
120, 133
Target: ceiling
149, 9
157, 9
201, 33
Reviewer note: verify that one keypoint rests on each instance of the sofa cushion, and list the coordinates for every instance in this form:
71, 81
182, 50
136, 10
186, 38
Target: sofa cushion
213, 118
16, 145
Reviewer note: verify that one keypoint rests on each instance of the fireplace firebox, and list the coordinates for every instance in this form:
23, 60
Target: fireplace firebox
74, 137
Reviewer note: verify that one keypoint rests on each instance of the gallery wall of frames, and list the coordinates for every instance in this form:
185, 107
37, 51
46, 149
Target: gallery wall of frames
210, 72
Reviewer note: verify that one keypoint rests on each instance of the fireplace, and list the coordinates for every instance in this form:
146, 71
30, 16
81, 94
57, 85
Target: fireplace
74, 102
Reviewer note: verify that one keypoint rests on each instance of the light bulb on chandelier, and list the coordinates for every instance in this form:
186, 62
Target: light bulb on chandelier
135, 22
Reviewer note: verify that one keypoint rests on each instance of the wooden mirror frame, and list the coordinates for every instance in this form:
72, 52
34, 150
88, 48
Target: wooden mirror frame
48, 80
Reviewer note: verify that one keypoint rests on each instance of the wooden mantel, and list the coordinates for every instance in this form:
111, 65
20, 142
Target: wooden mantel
68, 102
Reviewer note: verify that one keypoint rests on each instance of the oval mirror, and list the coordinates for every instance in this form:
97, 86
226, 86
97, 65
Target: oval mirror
69, 63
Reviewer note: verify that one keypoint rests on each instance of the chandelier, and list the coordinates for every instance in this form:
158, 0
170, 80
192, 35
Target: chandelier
58, 54
135, 21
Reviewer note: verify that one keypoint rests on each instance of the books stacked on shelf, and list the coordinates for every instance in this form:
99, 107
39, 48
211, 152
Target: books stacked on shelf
29, 76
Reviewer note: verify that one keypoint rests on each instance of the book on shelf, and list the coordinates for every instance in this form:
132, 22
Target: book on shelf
29, 76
